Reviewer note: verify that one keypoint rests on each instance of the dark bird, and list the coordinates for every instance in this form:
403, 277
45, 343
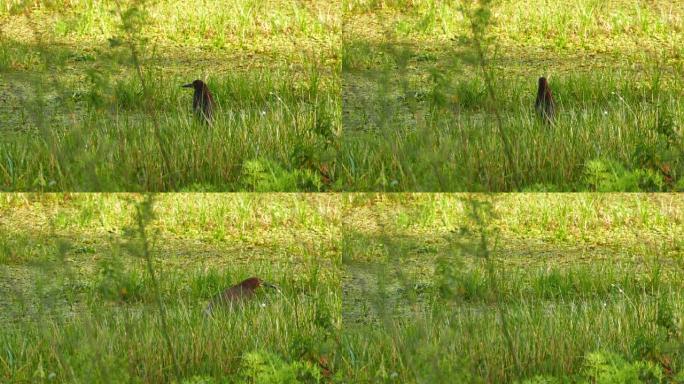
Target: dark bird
545, 106
202, 101
237, 294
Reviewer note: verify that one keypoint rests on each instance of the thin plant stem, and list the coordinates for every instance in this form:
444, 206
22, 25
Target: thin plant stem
477, 28
144, 211
494, 284
135, 57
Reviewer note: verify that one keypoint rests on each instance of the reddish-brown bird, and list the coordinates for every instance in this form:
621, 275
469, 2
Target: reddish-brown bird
237, 294
202, 101
545, 106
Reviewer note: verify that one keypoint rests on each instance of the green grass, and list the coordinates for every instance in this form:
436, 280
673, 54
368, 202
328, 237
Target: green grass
384, 288
577, 278
84, 113
359, 96
78, 304
417, 115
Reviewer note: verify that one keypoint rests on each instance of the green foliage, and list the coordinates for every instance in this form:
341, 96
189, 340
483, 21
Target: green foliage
117, 281
540, 187
543, 380
610, 368
96, 98
470, 94
478, 63
667, 319
455, 282
421, 292
202, 380
607, 175
435, 314
268, 368
79, 301
265, 175
128, 94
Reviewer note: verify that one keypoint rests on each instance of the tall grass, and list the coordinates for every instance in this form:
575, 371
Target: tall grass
439, 96
94, 97
586, 284
423, 304
86, 281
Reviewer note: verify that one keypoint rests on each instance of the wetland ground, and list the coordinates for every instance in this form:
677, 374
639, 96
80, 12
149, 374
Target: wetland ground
534, 288
91, 97
410, 288
438, 95
78, 302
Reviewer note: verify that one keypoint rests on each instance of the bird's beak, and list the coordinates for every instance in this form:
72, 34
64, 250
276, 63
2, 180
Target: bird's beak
269, 285
187, 85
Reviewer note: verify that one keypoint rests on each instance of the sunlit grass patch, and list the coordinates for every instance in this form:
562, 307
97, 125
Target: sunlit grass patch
418, 114
93, 93
505, 288
75, 282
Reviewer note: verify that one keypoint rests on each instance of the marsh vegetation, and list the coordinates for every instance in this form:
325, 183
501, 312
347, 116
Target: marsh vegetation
439, 95
530, 288
91, 97
112, 288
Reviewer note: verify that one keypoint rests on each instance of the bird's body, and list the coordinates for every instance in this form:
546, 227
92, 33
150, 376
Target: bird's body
237, 294
545, 105
202, 100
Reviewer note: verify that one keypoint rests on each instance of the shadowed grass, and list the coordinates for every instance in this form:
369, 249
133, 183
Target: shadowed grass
417, 115
578, 278
93, 99
79, 305
575, 275
260, 117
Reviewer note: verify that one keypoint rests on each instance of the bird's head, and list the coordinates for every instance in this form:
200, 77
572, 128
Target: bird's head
255, 282
197, 84
543, 82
